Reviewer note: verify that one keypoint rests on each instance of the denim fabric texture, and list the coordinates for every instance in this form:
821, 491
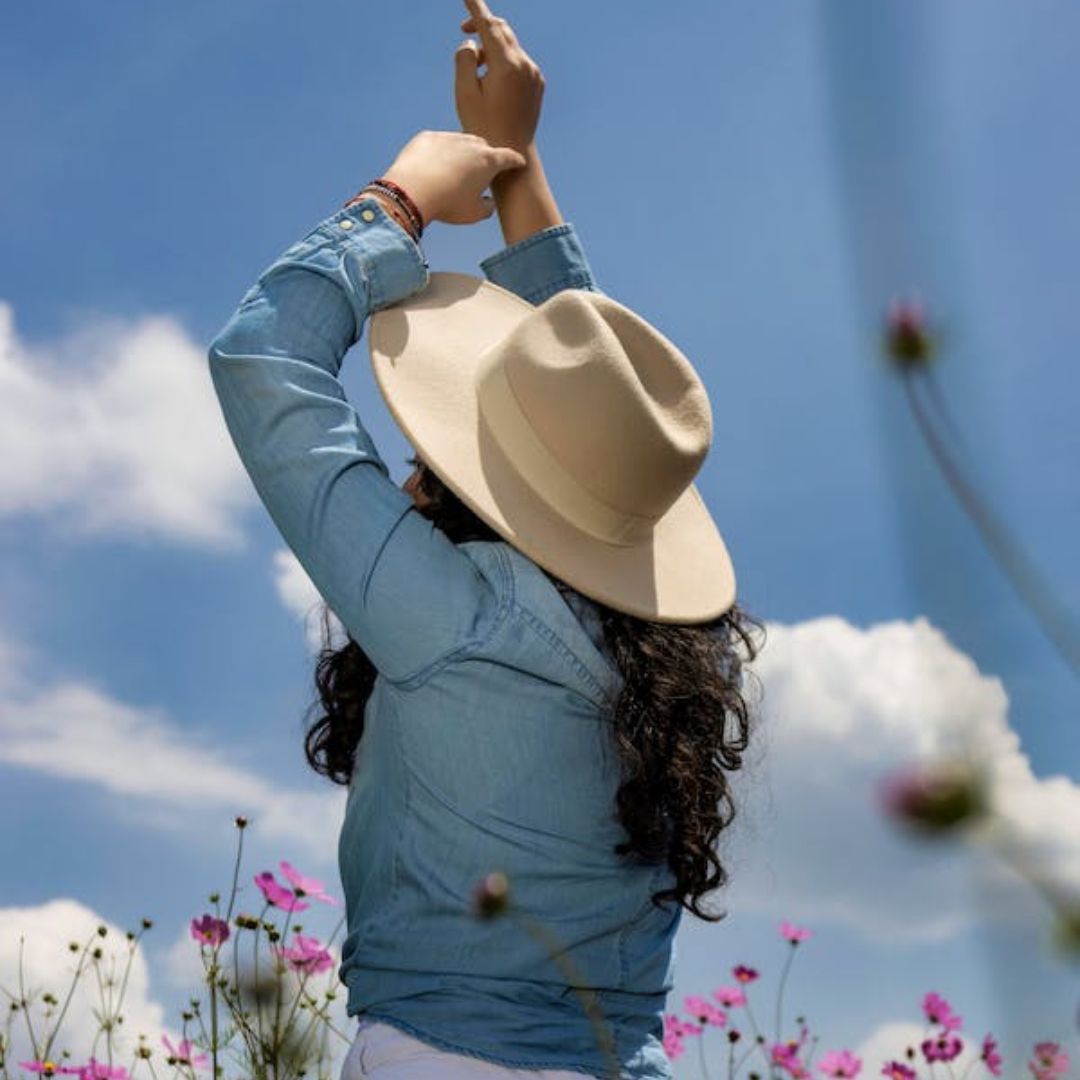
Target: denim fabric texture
484, 745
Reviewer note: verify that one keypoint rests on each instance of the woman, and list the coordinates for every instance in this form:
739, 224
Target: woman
544, 651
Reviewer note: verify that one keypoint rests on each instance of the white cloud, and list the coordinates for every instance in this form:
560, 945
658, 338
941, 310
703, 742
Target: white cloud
49, 966
300, 597
115, 430
843, 706
74, 731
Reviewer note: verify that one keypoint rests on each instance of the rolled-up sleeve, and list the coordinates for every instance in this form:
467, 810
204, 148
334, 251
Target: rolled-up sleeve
542, 264
405, 593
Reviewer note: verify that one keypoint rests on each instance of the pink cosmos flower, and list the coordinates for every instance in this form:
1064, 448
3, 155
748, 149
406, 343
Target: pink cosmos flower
939, 1011
673, 1044
307, 955
840, 1063
894, 1070
793, 933
183, 1054
278, 895
729, 996
942, 1047
744, 974
1050, 1061
100, 1070
49, 1068
307, 886
786, 1055
209, 930
990, 1055
685, 1027
705, 1012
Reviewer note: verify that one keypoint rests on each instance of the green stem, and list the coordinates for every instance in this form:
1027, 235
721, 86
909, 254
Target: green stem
587, 996
1021, 572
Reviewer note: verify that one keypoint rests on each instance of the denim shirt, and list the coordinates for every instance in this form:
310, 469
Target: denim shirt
485, 747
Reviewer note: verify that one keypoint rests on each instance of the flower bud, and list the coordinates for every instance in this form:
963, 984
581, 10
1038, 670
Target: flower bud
491, 895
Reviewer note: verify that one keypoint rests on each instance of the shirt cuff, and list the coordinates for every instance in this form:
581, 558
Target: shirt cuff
542, 264
367, 252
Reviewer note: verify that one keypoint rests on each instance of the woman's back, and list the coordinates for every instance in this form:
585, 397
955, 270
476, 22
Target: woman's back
498, 757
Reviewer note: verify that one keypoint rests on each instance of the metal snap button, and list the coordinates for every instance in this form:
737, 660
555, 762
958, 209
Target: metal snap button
368, 215
347, 223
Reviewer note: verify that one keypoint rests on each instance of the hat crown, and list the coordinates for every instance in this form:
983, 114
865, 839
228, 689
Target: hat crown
599, 412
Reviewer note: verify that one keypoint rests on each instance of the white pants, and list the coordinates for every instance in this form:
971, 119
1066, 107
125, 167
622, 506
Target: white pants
381, 1052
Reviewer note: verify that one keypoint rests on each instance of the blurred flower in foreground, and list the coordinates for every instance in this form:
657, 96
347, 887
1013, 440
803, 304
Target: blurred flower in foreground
910, 347
907, 338
491, 895
936, 797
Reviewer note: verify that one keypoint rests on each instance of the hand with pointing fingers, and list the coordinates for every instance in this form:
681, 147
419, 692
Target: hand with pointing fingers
503, 105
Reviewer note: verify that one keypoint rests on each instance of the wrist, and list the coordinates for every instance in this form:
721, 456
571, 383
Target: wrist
392, 209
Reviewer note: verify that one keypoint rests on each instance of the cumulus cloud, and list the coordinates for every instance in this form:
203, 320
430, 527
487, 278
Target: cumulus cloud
49, 966
300, 597
75, 731
115, 430
841, 707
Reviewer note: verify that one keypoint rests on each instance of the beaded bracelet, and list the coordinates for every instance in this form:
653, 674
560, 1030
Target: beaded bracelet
400, 199
403, 199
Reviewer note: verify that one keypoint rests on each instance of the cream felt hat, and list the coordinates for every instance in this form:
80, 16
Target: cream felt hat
572, 427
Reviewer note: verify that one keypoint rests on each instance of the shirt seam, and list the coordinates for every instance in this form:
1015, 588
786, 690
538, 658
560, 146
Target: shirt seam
506, 602
559, 645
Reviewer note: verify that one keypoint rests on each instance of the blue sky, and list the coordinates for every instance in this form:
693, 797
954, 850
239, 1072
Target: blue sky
757, 181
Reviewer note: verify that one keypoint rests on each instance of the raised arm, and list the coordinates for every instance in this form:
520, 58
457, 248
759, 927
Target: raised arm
543, 253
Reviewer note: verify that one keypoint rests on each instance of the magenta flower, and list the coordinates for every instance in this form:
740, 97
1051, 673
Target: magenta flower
686, 1027
894, 1070
990, 1055
793, 933
49, 1068
100, 1070
307, 886
840, 1063
182, 1053
278, 895
705, 1012
673, 1044
210, 931
942, 1047
744, 974
786, 1055
939, 1011
1050, 1061
729, 996
307, 955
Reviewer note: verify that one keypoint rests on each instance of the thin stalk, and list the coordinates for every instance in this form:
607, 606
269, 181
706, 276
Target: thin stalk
1023, 575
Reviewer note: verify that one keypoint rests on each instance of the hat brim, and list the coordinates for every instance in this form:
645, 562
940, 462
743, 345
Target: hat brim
424, 352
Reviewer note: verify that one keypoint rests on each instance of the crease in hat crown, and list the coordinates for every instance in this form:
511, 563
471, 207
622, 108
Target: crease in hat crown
598, 412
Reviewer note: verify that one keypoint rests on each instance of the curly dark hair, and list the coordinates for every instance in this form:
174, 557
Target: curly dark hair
681, 694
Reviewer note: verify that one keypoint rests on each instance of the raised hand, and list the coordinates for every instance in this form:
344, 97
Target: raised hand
503, 105
445, 174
